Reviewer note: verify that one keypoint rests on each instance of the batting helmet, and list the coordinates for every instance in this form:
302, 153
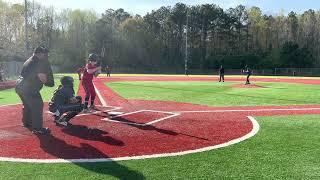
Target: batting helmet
67, 81
93, 57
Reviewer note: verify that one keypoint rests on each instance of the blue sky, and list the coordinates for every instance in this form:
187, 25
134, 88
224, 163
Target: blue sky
143, 6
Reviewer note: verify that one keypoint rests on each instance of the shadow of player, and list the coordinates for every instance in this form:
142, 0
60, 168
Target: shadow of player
94, 134
60, 149
153, 128
145, 127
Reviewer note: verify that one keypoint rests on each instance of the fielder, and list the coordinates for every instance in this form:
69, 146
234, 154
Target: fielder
248, 71
221, 73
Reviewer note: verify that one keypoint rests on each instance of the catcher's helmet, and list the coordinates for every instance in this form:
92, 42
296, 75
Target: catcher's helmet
67, 81
93, 57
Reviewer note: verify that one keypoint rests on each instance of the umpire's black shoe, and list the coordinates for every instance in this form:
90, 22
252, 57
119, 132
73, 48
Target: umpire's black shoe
26, 126
41, 131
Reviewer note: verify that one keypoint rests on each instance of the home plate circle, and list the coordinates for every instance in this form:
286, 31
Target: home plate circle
91, 139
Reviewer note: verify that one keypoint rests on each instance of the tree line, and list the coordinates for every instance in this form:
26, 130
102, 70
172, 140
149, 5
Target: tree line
156, 42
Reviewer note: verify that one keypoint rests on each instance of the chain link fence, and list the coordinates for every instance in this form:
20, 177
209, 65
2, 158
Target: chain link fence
10, 70
297, 71
261, 72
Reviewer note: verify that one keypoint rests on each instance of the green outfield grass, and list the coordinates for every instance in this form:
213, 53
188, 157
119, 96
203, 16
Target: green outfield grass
10, 97
220, 94
212, 76
286, 147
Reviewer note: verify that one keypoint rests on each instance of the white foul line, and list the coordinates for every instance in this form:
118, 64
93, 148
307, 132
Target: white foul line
249, 110
161, 119
10, 105
103, 102
113, 108
129, 113
253, 132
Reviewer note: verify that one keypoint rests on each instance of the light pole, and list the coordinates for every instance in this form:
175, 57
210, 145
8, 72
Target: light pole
186, 50
26, 25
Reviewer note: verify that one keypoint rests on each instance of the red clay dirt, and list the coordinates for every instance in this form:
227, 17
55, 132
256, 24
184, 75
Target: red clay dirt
95, 136
247, 86
7, 85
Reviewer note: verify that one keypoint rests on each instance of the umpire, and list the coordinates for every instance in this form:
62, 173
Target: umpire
36, 72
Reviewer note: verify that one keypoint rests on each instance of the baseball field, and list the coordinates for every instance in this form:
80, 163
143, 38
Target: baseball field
173, 127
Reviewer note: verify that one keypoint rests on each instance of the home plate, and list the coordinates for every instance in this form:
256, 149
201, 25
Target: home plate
115, 113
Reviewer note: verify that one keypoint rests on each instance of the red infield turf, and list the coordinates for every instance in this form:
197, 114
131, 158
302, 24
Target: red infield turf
143, 128
7, 85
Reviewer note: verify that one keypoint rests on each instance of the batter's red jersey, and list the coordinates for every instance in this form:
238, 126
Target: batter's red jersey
86, 76
81, 70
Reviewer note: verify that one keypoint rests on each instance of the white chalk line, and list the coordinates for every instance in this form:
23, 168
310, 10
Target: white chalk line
139, 111
10, 105
103, 102
162, 119
250, 110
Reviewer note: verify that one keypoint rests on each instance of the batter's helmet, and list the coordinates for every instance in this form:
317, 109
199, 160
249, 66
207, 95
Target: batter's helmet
93, 57
67, 81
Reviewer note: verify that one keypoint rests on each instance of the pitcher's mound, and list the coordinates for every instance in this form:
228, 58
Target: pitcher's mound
247, 86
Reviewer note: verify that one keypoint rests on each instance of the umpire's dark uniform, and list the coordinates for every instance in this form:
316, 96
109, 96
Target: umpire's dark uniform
29, 86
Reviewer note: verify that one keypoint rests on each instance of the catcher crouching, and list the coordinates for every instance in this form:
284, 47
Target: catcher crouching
65, 101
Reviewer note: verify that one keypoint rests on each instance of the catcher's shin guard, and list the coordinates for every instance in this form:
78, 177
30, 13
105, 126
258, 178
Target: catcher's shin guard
79, 98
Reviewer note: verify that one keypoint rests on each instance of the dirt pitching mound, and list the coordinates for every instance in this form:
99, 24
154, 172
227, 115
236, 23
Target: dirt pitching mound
247, 86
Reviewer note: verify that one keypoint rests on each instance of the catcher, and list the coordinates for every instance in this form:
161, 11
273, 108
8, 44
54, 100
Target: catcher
65, 101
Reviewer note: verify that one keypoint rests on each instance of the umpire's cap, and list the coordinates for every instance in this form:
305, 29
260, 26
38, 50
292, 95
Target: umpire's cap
93, 57
67, 81
40, 49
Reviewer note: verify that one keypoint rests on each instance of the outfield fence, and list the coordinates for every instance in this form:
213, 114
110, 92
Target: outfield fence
132, 70
277, 72
10, 70
261, 72
297, 71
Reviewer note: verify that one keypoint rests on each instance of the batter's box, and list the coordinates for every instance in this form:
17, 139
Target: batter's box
107, 108
142, 117
100, 109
